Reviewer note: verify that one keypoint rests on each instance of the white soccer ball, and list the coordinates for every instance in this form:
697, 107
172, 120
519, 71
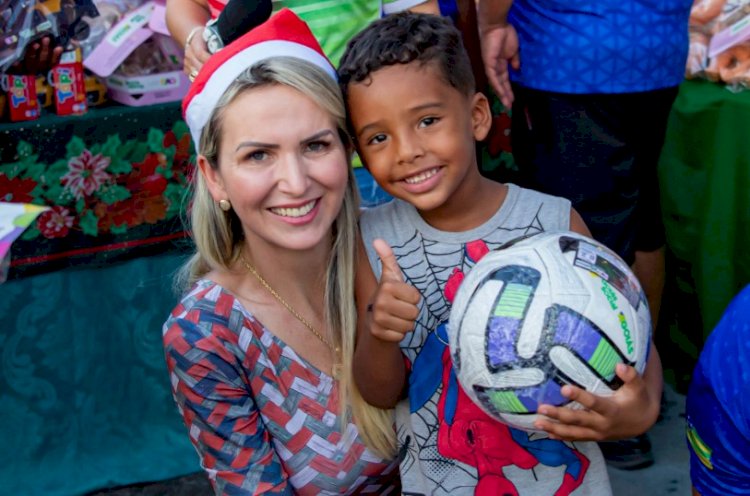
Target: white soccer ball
553, 309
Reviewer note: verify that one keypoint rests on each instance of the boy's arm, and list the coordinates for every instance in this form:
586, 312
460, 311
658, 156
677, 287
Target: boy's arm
499, 42
386, 311
631, 411
577, 224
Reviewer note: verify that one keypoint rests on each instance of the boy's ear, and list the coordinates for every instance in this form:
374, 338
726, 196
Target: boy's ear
214, 181
481, 116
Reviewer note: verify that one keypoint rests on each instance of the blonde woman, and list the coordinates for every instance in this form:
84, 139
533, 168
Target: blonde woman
259, 349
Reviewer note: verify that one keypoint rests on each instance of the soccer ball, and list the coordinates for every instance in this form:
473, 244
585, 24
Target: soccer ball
552, 309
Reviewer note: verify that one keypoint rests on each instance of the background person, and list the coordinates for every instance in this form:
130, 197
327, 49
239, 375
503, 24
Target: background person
591, 88
718, 406
332, 23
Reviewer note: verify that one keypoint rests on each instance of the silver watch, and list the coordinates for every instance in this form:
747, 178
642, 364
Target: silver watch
212, 38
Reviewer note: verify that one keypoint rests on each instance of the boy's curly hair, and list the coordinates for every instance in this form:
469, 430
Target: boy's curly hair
404, 38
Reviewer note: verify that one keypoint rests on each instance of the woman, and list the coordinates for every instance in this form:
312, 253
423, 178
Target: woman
259, 349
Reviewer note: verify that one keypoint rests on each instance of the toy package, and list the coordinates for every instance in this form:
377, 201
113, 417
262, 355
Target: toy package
24, 21
720, 42
138, 60
23, 104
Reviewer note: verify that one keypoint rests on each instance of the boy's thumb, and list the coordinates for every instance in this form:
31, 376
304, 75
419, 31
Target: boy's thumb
391, 271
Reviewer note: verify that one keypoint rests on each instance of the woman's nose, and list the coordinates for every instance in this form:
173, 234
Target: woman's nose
293, 177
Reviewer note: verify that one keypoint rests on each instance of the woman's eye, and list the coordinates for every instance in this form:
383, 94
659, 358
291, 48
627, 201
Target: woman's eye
428, 121
318, 146
376, 140
257, 156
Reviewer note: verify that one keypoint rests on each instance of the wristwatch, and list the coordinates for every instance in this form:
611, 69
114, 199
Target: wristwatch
211, 37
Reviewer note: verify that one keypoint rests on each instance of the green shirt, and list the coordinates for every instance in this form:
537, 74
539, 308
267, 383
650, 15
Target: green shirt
335, 22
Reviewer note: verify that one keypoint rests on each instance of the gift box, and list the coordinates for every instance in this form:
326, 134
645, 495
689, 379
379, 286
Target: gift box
138, 60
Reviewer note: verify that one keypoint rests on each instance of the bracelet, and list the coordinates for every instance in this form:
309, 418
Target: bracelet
191, 35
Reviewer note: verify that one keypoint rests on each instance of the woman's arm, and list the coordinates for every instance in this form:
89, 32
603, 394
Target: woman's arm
219, 411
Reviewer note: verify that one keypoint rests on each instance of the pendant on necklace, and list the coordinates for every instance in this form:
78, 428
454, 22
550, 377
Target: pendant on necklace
336, 371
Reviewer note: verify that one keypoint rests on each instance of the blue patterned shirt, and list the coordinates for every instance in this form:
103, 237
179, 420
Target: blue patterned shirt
601, 46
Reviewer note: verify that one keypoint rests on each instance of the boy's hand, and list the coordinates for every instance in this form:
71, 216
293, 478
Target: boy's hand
394, 306
627, 413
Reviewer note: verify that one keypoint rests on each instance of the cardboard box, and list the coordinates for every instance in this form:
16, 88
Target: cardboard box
144, 23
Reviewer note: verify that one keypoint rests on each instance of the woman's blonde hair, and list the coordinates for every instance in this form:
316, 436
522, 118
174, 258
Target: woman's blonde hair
219, 238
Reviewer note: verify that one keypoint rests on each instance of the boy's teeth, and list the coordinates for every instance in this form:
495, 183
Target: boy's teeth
294, 212
421, 176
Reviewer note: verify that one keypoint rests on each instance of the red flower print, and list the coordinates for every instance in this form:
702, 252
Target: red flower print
55, 223
86, 173
16, 190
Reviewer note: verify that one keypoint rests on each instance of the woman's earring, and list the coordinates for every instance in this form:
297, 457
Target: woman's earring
225, 205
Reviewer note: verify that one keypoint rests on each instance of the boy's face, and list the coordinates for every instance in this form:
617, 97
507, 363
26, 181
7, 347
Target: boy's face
416, 134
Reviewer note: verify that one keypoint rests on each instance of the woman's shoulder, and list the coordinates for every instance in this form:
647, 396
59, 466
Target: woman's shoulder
209, 310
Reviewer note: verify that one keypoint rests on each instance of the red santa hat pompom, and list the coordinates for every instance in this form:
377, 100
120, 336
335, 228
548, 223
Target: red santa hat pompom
284, 34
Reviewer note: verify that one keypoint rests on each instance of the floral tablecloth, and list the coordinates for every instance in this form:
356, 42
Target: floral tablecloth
115, 180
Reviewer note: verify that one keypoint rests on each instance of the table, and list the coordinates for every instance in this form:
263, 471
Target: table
84, 389
114, 178
705, 185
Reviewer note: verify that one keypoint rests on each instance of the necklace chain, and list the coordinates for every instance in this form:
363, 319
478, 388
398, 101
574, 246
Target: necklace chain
291, 310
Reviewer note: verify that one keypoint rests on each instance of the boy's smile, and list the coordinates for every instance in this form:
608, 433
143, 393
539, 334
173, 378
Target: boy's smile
416, 133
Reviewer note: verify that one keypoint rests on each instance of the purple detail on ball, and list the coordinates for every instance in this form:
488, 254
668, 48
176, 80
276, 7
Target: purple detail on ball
502, 334
575, 332
548, 393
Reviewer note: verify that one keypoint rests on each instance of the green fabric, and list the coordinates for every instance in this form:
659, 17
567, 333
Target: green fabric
705, 184
335, 22
84, 387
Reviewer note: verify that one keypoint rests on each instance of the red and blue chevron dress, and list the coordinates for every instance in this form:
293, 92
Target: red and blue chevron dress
262, 419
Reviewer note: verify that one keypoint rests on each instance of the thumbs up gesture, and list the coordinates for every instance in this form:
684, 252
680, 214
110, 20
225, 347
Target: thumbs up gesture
394, 305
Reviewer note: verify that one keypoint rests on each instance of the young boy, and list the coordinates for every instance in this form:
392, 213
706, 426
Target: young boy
415, 117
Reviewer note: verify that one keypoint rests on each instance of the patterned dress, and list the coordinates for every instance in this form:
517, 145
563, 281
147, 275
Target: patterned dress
262, 419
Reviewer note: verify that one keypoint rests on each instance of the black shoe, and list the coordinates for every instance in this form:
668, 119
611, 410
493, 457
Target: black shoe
628, 454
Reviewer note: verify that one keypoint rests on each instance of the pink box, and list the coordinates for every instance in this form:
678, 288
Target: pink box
728, 37
144, 23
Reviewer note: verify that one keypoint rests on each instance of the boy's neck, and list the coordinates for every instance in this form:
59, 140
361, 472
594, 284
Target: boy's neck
470, 210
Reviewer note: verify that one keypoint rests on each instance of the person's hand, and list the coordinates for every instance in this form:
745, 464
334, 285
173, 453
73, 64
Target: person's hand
394, 305
39, 57
500, 48
629, 412
196, 53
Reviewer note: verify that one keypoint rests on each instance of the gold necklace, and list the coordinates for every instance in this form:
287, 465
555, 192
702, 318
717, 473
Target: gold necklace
336, 369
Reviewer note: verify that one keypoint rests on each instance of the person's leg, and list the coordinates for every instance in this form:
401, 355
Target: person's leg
649, 264
587, 148
650, 271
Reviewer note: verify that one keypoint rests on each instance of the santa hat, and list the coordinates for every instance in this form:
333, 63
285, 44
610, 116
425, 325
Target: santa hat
283, 35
